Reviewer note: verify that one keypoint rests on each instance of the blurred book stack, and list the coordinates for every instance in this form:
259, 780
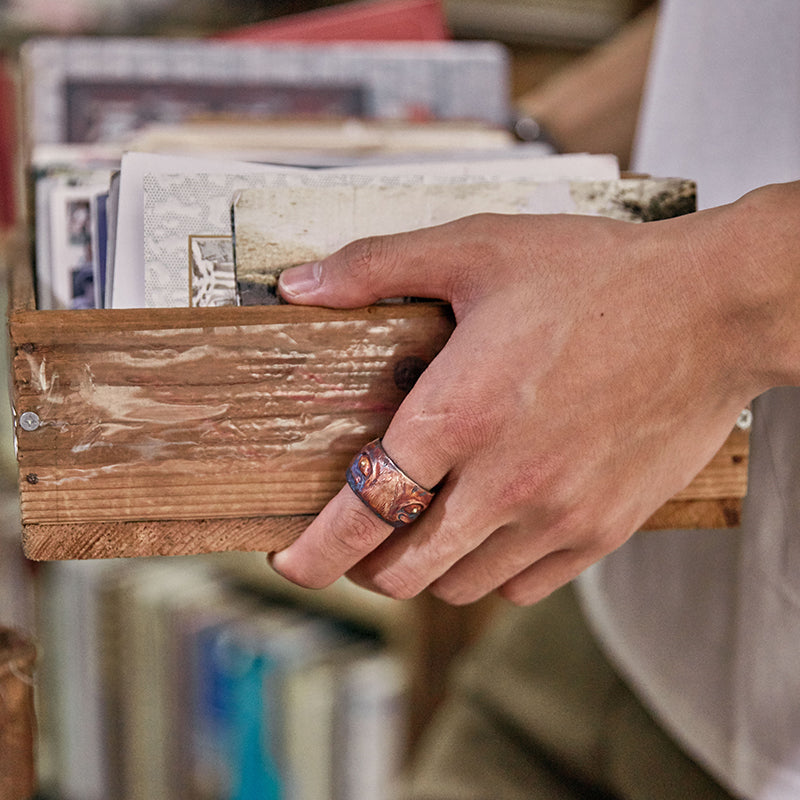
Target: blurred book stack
166, 679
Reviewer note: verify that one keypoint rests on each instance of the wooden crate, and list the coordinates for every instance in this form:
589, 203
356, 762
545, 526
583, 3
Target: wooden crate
175, 431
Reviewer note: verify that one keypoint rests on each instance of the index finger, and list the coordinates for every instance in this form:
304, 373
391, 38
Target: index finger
347, 530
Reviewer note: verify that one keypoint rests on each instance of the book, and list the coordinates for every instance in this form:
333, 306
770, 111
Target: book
320, 143
372, 20
257, 661
202, 767
137, 240
152, 594
371, 726
81, 89
75, 717
167, 678
74, 239
67, 235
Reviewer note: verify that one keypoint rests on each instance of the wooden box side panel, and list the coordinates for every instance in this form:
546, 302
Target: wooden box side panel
175, 431
206, 421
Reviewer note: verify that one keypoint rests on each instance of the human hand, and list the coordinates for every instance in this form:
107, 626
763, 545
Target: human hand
593, 371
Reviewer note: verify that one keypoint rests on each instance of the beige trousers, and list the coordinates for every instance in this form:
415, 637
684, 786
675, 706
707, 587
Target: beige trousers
537, 713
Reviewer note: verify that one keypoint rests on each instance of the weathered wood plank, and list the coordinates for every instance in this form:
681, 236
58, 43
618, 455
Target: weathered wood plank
172, 537
17, 716
160, 537
176, 431
696, 514
194, 418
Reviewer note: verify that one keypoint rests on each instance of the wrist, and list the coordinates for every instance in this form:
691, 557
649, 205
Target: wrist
755, 267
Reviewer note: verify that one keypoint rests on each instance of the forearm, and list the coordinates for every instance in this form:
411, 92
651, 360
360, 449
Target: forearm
592, 106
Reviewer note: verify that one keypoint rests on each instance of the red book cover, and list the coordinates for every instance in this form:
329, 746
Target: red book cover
365, 20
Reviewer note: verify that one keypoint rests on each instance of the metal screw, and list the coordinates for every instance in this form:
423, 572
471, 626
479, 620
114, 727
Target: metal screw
29, 420
745, 420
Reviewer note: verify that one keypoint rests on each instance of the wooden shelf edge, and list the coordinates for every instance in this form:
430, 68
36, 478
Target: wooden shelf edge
60, 541
702, 514
53, 542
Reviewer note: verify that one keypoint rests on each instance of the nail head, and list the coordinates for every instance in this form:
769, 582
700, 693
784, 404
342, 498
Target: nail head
29, 420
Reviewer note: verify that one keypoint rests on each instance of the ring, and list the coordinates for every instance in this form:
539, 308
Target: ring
384, 488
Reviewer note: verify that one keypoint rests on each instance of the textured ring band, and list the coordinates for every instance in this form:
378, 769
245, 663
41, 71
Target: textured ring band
384, 488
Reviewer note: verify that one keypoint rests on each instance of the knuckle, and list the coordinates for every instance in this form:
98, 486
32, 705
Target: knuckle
455, 595
463, 427
520, 488
359, 532
474, 427
519, 595
449, 542
396, 585
366, 261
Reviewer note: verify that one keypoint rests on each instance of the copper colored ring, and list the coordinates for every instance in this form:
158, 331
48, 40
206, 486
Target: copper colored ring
384, 488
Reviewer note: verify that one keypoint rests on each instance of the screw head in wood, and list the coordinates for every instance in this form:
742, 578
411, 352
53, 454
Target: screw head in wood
29, 420
745, 420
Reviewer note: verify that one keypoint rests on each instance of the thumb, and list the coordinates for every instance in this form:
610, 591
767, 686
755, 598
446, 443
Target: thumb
421, 263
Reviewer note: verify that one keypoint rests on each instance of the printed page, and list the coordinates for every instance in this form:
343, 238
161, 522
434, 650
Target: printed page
128, 290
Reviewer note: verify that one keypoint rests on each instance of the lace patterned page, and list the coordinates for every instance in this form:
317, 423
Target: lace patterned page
177, 207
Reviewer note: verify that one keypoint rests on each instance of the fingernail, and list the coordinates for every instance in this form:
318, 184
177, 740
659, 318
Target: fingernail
300, 280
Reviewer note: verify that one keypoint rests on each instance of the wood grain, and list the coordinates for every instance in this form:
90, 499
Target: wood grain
17, 716
173, 431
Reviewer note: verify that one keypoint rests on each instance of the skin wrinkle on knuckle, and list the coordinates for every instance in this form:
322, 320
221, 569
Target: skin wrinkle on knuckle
457, 594
460, 426
390, 583
482, 244
521, 597
357, 532
367, 260
452, 535
479, 248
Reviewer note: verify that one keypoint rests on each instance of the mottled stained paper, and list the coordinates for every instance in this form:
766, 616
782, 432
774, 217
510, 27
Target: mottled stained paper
299, 219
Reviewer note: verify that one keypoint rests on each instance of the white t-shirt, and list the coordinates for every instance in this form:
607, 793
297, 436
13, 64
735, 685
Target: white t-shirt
706, 624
